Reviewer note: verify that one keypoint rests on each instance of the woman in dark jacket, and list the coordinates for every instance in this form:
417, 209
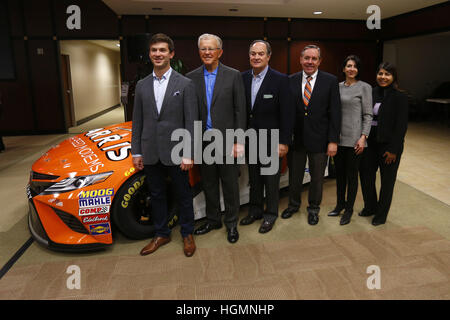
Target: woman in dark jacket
385, 143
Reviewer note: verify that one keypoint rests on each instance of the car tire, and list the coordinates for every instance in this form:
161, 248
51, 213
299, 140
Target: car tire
131, 209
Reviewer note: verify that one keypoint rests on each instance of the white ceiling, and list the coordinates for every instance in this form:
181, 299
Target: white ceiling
332, 9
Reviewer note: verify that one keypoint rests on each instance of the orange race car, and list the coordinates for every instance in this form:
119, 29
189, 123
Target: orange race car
85, 185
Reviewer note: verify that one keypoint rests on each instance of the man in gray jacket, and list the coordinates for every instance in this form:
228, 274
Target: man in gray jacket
222, 106
164, 101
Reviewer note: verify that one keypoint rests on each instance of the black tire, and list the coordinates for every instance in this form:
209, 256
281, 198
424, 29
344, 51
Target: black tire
131, 209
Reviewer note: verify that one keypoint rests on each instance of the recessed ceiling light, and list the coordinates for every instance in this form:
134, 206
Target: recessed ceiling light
317, 12
233, 10
118, 44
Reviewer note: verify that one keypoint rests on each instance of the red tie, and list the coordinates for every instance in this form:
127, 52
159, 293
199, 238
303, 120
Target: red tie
307, 92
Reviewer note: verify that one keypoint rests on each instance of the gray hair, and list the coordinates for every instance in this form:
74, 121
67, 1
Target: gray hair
311, 46
268, 48
206, 36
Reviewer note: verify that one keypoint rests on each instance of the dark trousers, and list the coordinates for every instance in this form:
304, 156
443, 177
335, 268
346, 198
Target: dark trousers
297, 162
2, 146
347, 164
228, 175
260, 183
156, 179
372, 159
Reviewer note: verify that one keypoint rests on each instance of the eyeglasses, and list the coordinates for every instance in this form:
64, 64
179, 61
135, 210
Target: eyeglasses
208, 49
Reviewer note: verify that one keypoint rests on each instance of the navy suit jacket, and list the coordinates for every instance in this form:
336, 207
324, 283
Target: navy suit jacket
274, 107
320, 123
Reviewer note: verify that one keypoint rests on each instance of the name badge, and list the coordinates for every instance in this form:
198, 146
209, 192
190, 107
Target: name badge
268, 96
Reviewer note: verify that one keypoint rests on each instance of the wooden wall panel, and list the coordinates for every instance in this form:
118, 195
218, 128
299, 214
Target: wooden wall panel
235, 54
46, 85
15, 18
38, 18
277, 28
17, 103
330, 29
132, 25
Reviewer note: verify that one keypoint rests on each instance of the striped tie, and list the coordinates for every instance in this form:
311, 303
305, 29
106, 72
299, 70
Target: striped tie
308, 90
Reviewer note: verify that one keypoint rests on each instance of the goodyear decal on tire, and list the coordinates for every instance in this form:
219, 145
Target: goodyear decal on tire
132, 190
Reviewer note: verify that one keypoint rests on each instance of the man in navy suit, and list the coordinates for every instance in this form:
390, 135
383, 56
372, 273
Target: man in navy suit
316, 133
269, 106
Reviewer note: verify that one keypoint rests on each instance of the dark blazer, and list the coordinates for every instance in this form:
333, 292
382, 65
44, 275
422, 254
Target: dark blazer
151, 133
392, 119
322, 122
228, 101
274, 107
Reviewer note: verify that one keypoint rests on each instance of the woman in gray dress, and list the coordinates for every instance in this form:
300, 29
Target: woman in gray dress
356, 102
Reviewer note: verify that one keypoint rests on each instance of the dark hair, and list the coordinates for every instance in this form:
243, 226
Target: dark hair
268, 48
357, 63
389, 67
161, 37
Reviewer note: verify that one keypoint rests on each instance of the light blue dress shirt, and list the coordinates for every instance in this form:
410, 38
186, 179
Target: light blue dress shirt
160, 87
210, 80
256, 83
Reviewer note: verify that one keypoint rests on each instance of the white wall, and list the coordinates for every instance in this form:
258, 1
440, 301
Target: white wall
423, 62
95, 76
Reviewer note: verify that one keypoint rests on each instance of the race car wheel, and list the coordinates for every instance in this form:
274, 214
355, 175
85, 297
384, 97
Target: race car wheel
131, 208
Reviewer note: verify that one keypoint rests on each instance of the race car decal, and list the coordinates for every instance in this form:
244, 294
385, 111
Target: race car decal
96, 219
94, 198
101, 228
93, 211
96, 193
131, 190
101, 136
86, 153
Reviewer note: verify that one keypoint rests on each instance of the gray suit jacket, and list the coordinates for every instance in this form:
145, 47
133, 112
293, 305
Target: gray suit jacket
356, 103
151, 132
228, 105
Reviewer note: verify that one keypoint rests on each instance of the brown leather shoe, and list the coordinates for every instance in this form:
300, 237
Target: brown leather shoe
154, 245
189, 246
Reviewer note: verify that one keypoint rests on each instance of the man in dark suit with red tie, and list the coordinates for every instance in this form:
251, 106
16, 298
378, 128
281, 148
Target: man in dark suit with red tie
316, 133
270, 107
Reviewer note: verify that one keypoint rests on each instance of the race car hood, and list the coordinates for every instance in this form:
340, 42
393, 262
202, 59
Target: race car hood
93, 152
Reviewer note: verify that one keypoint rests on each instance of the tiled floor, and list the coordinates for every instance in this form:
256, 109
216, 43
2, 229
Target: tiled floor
293, 261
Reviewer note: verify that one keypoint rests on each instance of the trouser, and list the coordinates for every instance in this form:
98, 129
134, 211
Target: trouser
260, 183
228, 175
297, 162
156, 178
372, 159
347, 163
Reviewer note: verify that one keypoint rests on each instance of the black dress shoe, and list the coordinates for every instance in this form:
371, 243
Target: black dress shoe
233, 235
346, 217
376, 222
365, 213
313, 218
266, 226
288, 212
335, 212
205, 228
249, 220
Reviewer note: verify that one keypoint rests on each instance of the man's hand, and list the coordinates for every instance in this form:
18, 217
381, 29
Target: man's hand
238, 150
360, 144
332, 149
282, 150
390, 157
138, 163
186, 164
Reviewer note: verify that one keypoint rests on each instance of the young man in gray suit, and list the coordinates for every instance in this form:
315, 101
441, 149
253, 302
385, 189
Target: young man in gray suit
164, 101
221, 99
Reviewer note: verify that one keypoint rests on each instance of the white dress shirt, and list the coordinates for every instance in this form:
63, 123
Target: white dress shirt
313, 82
